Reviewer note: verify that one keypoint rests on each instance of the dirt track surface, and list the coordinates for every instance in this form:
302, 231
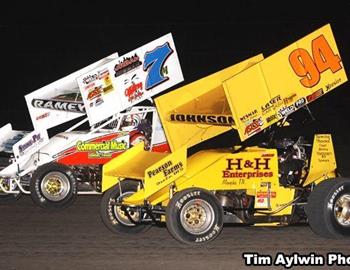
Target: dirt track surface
75, 238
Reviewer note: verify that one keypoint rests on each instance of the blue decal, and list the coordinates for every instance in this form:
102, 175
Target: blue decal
154, 61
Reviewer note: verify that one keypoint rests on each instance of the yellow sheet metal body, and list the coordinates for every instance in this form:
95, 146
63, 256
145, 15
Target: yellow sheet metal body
203, 97
255, 98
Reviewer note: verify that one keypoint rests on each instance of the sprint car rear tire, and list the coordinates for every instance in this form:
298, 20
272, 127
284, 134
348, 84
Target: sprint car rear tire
53, 185
194, 216
328, 208
113, 216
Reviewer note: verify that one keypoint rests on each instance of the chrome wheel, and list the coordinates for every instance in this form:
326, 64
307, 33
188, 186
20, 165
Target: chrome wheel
121, 215
55, 186
197, 216
342, 210
6, 185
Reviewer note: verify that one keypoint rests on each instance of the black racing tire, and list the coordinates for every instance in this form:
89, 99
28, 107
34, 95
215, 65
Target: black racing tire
112, 216
323, 208
51, 173
194, 202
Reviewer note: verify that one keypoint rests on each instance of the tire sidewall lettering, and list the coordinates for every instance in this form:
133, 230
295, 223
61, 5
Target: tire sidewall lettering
215, 228
330, 204
208, 237
339, 191
38, 177
38, 191
187, 196
110, 212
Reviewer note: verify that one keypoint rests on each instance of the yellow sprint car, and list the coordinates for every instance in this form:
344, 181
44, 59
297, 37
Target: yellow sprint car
278, 181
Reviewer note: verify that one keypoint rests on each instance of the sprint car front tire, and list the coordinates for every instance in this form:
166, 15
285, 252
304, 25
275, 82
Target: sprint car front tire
53, 185
328, 208
113, 216
8, 197
194, 216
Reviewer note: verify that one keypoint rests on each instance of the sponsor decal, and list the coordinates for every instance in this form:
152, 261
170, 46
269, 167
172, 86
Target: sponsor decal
314, 95
106, 79
108, 89
285, 111
164, 71
96, 92
43, 116
271, 118
272, 104
249, 116
89, 86
246, 175
157, 66
103, 73
95, 97
239, 168
290, 99
254, 126
159, 169
331, 85
90, 78
62, 136
323, 150
101, 149
266, 194
101, 84
300, 103
263, 196
268, 155
135, 90
202, 118
127, 64
35, 139
265, 184
174, 169
58, 105
168, 169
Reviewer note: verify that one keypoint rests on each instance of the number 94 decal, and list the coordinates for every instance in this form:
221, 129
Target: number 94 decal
308, 67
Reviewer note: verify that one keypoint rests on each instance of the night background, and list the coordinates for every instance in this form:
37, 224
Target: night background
42, 42
45, 41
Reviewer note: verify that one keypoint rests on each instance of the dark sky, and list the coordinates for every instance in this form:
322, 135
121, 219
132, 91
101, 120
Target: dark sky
44, 41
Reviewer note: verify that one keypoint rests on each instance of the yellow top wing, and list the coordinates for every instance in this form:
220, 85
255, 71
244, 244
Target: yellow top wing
284, 82
199, 111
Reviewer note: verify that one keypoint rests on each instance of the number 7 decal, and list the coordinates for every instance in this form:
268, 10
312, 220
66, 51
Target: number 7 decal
154, 62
